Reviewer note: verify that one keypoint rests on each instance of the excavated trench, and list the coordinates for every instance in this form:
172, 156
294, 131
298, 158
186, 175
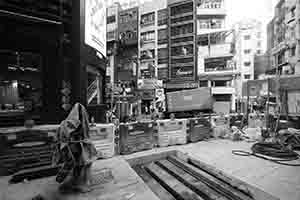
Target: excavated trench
172, 178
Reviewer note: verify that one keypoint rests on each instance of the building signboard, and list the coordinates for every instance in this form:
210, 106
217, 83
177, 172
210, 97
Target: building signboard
186, 85
182, 72
95, 25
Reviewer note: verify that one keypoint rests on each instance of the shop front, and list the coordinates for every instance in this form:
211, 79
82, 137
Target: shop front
46, 63
30, 72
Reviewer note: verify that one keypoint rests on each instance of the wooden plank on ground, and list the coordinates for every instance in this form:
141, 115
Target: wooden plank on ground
160, 191
196, 185
175, 187
256, 193
216, 184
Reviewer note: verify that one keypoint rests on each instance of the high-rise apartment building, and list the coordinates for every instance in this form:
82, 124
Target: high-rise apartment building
248, 43
215, 45
153, 43
152, 50
285, 32
182, 44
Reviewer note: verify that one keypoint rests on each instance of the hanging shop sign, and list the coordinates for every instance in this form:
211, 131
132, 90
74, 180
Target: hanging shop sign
160, 104
148, 84
95, 25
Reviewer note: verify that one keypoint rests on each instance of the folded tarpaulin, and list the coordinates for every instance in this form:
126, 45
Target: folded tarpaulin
74, 146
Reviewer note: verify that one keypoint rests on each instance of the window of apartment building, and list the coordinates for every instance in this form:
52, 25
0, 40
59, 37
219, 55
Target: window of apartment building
162, 73
148, 36
213, 4
210, 23
127, 17
162, 17
247, 37
221, 83
259, 35
258, 44
258, 51
110, 35
222, 97
247, 64
247, 51
182, 19
293, 51
148, 54
181, 9
162, 55
203, 40
162, 36
182, 50
203, 83
148, 19
182, 30
247, 76
111, 19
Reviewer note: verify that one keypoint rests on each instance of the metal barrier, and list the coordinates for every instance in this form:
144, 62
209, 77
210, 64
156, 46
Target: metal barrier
135, 137
198, 129
23, 148
171, 132
103, 137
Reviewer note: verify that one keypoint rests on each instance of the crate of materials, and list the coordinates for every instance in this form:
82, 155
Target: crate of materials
198, 129
23, 148
136, 136
103, 137
171, 132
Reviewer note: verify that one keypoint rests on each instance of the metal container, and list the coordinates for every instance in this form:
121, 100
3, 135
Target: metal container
135, 137
24, 148
220, 125
171, 132
198, 129
103, 137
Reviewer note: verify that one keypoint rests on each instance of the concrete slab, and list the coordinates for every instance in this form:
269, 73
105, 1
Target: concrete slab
126, 184
280, 181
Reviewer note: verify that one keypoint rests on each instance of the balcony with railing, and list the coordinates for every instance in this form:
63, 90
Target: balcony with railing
220, 65
216, 50
223, 86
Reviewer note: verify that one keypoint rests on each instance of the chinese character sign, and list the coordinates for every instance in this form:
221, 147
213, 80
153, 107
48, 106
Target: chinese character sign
95, 25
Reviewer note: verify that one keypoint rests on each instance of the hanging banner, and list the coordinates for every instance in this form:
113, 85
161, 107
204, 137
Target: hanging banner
95, 25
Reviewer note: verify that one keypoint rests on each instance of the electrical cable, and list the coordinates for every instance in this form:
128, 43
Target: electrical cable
273, 152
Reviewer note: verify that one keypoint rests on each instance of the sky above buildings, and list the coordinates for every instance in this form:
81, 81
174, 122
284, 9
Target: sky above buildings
262, 10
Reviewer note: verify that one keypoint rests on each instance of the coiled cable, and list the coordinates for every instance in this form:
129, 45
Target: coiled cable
273, 152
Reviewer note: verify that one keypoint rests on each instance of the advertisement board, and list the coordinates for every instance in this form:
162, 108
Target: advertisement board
188, 100
95, 25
